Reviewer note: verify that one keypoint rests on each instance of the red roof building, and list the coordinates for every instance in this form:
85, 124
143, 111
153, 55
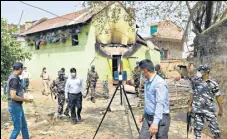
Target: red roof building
65, 20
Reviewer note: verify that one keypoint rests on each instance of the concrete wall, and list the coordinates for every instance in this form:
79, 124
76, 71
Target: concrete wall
211, 49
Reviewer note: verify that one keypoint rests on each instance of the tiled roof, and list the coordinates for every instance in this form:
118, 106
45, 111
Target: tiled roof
167, 29
74, 18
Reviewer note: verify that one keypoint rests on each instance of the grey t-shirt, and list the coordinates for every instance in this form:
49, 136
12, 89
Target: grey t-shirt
14, 83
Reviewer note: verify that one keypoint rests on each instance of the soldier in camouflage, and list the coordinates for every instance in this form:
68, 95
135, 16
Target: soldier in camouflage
58, 87
201, 103
159, 71
136, 78
92, 78
66, 113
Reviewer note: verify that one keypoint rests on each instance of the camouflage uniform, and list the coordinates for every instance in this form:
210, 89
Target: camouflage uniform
203, 108
161, 74
58, 87
92, 79
136, 78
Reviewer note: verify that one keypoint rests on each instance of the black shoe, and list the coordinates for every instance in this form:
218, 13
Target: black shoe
66, 114
79, 118
93, 100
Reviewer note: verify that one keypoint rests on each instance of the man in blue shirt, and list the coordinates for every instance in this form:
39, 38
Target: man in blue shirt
156, 118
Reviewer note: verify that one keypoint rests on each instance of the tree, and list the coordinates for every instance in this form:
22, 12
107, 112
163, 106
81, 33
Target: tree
11, 51
200, 14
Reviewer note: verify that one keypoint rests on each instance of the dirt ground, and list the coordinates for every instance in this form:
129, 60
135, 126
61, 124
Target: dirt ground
42, 122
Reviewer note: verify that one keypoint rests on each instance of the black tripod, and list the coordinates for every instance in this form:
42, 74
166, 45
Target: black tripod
121, 90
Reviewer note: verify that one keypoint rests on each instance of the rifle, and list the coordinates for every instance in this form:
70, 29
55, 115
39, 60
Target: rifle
53, 91
88, 85
188, 122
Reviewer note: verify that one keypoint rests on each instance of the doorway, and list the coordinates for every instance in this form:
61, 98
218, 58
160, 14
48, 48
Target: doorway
116, 59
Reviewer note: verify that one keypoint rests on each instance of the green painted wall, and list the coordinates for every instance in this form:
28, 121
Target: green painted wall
56, 56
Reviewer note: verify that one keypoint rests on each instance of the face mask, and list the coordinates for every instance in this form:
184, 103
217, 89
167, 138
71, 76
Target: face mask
198, 74
61, 77
73, 75
142, 76
45, 71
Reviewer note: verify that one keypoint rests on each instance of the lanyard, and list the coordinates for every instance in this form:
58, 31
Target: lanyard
148, 86
149, 82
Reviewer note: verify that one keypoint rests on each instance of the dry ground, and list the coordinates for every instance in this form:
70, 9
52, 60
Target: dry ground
115, 126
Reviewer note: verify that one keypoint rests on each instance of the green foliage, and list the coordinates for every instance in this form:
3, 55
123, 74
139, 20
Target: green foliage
11, 51
4, 98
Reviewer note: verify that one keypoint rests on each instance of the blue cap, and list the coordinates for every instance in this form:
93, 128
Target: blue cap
17, 66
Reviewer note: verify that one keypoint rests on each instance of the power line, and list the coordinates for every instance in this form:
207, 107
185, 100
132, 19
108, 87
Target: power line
46, 11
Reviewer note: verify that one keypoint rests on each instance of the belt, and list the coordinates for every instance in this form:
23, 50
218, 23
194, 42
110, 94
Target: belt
74, 93
150, 117
153, 115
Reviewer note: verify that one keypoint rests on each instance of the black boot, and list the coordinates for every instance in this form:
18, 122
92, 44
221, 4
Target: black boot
93, 99
78, 114
67, 114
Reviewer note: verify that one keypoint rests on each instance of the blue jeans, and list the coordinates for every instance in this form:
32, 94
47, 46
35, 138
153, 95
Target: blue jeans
19, 122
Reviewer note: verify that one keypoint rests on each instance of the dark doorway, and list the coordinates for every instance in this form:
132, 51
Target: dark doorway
116, 59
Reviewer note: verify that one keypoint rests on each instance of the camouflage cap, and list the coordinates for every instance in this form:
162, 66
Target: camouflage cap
60, 72
203, 68
157, 67
93, 66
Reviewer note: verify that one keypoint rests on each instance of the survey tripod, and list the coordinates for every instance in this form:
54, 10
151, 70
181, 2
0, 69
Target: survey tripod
120, 87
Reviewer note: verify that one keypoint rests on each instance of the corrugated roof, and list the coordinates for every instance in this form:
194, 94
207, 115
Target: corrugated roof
76, 17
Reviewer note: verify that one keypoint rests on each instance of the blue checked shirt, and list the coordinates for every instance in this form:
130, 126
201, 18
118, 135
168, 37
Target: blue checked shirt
156, 98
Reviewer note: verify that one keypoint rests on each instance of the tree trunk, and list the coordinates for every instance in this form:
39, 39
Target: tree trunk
209, 13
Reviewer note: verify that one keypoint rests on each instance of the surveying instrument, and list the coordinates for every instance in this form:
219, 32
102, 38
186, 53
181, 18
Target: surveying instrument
120, 76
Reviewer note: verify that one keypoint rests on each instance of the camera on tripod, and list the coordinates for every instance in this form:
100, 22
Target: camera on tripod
120, 75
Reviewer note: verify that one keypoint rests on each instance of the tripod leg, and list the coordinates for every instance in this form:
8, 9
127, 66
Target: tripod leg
121, 94
106, 112
130, 108
126, 111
